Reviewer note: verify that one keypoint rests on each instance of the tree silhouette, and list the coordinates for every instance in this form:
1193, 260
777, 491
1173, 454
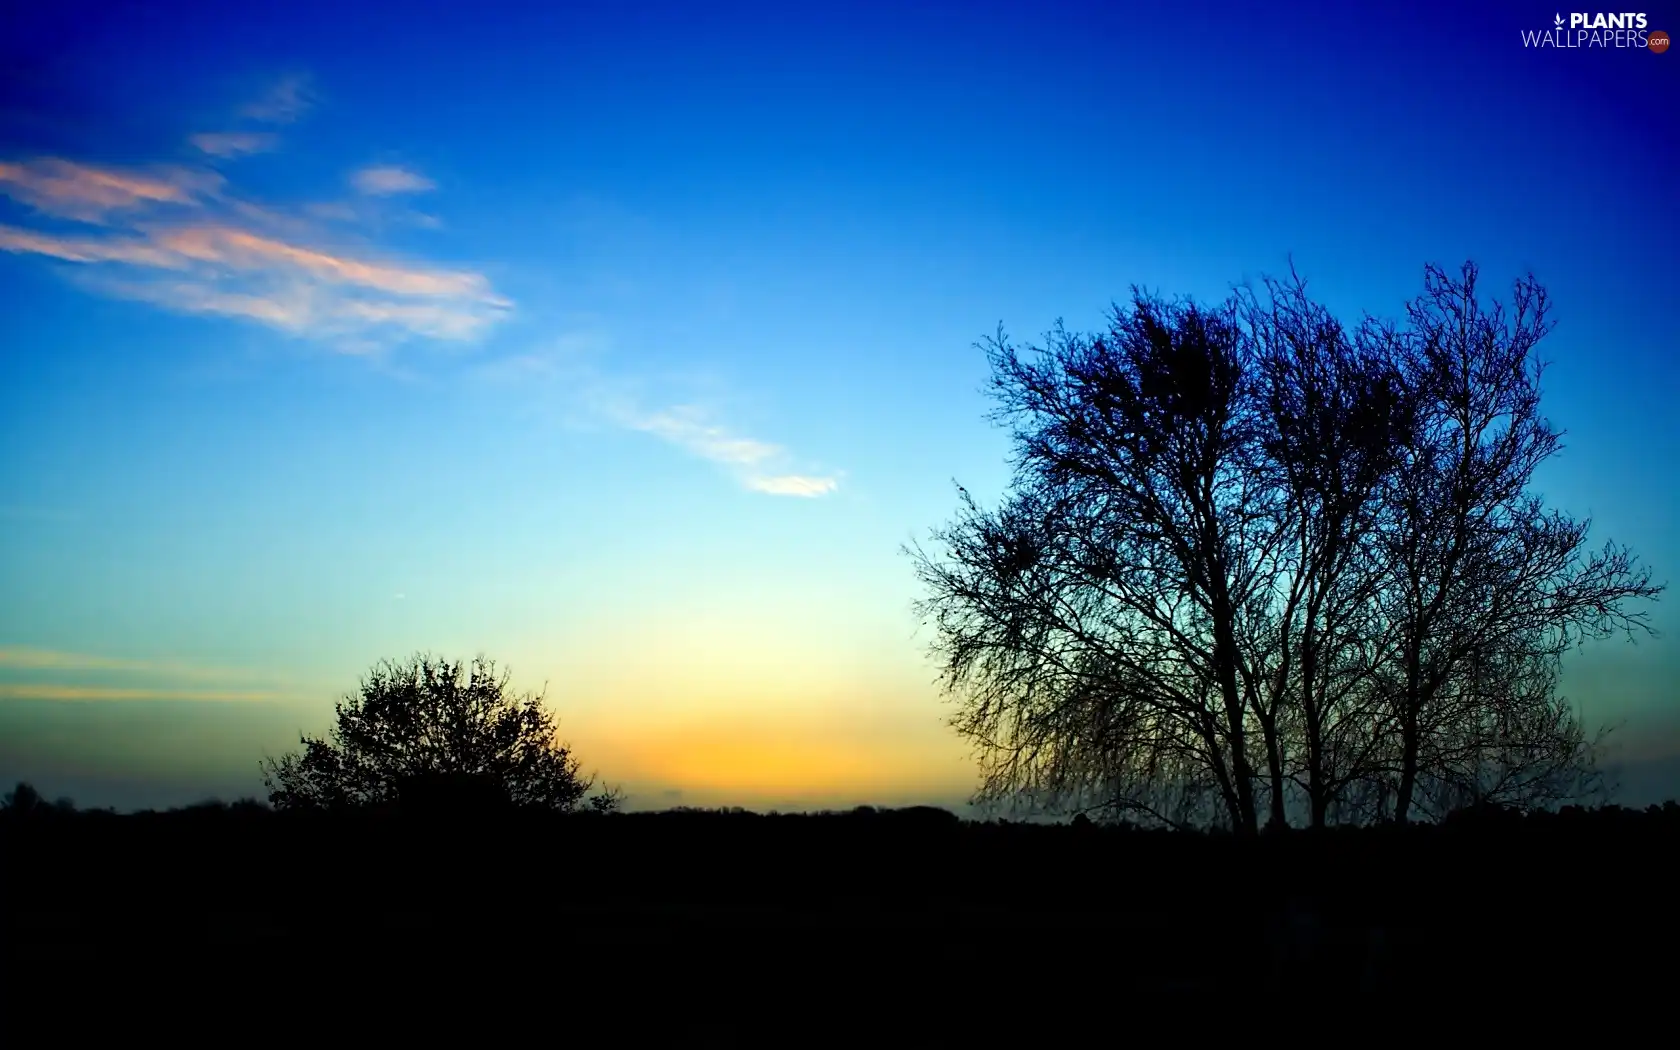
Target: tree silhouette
429, 734
1253, 563
1489, 587
1334, 412
22, 799
1094, 617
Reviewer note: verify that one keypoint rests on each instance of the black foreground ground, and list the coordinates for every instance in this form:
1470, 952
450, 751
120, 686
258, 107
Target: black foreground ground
890, 927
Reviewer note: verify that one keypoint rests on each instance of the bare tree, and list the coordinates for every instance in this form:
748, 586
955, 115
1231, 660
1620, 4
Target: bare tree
1488, 587
1093, 619
1333, 408
1503, 737
1249, 557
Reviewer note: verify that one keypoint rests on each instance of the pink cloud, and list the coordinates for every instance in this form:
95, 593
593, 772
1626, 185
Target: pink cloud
241, 248
231, 272
179, 238
87, 250
82, 191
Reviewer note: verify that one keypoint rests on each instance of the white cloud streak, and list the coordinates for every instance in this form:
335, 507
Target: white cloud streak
793, 485
383, 180
750, 461
686, 427
758, 466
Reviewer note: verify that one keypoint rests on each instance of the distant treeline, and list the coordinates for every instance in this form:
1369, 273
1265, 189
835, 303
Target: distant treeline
26, 802
837, 855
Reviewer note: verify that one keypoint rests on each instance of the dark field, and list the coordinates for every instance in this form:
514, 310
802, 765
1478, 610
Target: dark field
735, 926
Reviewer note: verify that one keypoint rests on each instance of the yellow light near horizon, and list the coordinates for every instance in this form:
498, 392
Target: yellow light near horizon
784, 757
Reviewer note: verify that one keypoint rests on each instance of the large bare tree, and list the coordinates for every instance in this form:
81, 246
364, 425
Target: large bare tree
1488, 587
1334, 407
1093, 620
1254, 564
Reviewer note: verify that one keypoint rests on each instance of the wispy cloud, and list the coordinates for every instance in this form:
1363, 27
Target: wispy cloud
696, 429
244, 250
752, 462
86, 676
230, 144
56, 691
229, 271
686, 427
87, 249
29, 658
793, 485
381, 180
283, 103
291, 309
288, 99
181, 238
88, 193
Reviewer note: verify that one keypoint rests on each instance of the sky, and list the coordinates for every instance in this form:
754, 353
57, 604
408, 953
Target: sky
630, 343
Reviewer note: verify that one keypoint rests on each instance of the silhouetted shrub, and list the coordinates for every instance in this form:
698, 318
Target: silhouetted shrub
439, 733
440, 794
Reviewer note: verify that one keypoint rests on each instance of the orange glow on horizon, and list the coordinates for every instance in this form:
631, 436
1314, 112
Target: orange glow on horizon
784, 758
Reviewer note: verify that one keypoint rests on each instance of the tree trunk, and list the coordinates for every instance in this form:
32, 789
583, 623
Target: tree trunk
1408, 771
1317, 795
1274, 769
1227, 791
1225, 666
1408, 744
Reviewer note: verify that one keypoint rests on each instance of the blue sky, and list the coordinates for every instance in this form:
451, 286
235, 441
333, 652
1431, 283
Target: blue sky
628, 343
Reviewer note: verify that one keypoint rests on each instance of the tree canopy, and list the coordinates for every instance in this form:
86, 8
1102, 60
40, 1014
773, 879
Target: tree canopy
1257, 567
428, 733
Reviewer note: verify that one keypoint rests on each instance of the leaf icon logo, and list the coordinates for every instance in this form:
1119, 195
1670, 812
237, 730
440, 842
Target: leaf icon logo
1558, 19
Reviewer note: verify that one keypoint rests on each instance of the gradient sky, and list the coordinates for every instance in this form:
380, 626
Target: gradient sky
628, 343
